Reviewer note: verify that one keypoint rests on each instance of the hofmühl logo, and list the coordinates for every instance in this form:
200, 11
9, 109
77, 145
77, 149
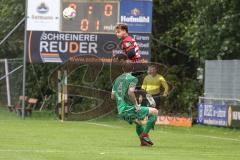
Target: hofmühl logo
42, 8
135, 17
135, 12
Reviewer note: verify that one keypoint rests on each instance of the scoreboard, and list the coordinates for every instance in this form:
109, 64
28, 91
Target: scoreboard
92, 17
55, 39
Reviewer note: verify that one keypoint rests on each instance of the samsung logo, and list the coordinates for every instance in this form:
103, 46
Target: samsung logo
140, 19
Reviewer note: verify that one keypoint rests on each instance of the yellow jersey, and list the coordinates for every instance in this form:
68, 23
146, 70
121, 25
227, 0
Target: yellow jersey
152, 85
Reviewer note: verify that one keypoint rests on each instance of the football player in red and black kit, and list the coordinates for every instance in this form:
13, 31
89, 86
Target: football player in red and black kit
129, 45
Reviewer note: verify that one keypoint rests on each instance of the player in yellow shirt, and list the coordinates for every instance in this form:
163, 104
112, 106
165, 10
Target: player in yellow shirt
152, 84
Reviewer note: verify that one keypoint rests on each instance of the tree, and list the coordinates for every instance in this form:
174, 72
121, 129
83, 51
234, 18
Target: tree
11, 13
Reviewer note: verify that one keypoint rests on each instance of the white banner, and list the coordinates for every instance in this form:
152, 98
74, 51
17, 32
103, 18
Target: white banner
43, 15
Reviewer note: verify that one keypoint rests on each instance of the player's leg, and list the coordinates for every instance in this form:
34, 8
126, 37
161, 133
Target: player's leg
131, 116
139, 130
157, 101
152, 117
141, 114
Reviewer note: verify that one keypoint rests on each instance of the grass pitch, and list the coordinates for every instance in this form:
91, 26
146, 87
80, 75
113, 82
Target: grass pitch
45, 138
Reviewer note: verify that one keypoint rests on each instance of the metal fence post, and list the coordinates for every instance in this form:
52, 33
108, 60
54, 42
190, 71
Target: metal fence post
7, 83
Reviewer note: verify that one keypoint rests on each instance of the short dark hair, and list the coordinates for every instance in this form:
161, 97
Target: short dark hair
122, 26
153, 66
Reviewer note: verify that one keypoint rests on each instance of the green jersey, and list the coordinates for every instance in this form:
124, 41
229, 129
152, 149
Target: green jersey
120, 90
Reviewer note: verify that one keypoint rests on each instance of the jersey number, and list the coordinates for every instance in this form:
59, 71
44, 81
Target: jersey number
119, 88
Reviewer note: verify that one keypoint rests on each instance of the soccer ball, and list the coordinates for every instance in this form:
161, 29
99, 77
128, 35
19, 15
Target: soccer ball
69, 13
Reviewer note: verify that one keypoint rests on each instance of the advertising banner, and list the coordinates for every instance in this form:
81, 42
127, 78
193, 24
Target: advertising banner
59, 47
213, 114
137, 14
173, 121
43, 15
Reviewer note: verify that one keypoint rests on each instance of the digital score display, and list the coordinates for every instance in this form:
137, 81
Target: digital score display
91, 16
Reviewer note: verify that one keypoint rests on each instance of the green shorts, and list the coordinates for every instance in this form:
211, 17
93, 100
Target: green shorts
130, 115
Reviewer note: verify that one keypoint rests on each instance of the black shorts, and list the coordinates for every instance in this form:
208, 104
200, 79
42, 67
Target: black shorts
157, 100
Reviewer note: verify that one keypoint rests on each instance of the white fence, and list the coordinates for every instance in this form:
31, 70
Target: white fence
222, 79
10, 80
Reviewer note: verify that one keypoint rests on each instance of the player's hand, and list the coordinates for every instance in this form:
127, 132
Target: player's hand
165, 94
140, 99
137, 107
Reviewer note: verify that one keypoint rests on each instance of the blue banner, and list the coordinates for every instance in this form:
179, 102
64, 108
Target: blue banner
213, 114
137, 14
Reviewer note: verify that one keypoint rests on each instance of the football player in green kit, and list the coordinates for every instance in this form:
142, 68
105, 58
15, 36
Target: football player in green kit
123, 92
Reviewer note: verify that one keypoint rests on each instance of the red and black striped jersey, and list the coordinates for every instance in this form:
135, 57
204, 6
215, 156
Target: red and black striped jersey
130, 46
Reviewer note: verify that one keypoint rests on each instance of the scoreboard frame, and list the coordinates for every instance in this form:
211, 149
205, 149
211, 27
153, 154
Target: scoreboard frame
91, 15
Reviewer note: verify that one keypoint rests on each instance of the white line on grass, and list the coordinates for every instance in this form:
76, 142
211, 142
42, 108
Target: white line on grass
30, 150
104, 125
121, 153
205, 136
221, 138
198, 135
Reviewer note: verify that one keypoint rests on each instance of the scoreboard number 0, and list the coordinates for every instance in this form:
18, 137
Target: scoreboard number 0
108, 10
84, 24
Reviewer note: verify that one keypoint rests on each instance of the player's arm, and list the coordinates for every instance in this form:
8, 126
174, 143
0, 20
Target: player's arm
113, 95
131, 53
130, 49
144, 85
132, 95
165, 86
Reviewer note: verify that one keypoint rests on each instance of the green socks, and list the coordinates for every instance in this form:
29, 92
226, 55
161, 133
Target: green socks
150, 124
139, 129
